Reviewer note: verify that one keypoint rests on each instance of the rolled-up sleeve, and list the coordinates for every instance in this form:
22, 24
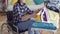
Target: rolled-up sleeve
28, 10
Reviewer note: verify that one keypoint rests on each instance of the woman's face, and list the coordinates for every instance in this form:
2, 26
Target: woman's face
22, 1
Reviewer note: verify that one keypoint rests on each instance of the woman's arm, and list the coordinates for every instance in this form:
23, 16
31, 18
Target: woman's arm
36, 11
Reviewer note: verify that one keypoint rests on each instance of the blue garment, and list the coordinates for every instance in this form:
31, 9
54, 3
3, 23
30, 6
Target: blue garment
19, 11
26, 25
44, 25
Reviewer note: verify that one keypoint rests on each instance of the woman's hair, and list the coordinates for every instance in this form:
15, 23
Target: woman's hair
18, 1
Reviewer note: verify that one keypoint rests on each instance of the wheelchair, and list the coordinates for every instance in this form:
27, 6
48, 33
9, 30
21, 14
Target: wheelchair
9, 27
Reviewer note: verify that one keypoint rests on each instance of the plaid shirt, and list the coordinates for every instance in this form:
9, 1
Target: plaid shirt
19, 11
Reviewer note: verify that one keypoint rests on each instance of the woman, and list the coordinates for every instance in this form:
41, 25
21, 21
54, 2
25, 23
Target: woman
19, 10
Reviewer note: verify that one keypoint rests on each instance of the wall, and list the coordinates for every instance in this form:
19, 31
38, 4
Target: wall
0, 4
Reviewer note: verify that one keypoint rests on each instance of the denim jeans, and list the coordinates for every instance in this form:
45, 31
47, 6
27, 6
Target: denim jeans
26, 25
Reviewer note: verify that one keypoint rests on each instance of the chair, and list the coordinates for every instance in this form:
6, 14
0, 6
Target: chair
10, 25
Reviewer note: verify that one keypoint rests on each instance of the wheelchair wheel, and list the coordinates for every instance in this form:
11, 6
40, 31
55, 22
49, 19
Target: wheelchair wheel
6, 29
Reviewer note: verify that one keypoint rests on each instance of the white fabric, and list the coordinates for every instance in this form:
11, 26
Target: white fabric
34, 7
53, 18
9, 7
55, 1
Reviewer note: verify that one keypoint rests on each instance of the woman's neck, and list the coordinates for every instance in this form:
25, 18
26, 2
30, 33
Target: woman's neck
22, 3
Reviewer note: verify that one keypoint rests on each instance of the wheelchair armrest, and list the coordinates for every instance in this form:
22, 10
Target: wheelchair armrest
16, 28
13, 26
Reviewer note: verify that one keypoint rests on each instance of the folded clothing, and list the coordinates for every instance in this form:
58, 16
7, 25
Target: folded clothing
44, 26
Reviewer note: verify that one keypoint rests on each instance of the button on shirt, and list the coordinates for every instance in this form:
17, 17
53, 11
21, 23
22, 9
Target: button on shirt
20, 10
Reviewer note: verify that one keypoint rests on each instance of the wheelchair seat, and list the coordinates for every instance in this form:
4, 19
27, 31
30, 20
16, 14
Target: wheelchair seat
10, 22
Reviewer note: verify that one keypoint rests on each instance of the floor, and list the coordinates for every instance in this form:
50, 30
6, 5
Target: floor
3, 20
